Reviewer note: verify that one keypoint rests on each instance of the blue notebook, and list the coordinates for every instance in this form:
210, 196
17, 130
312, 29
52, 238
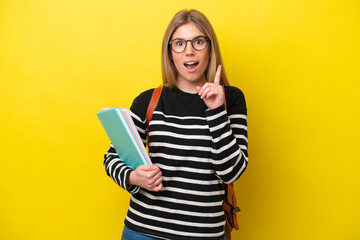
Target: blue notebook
124, 136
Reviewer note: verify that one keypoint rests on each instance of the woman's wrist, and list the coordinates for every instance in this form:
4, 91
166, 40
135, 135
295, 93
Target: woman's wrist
132, 178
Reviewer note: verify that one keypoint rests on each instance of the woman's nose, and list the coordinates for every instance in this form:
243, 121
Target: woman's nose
189, 48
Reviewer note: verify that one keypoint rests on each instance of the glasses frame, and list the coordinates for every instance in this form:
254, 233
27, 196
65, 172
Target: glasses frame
191, 41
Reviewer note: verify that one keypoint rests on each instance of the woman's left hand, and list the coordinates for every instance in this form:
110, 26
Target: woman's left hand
212, 93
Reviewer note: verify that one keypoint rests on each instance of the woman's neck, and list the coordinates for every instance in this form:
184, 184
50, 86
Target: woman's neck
190, 87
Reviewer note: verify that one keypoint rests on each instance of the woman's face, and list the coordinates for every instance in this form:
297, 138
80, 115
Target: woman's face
190, 63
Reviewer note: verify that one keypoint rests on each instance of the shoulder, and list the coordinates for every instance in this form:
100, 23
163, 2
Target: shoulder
140, 104
235, 98
144, 97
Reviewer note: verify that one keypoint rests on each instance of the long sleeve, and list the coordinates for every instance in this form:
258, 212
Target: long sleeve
229, 137
115, 168
118, 170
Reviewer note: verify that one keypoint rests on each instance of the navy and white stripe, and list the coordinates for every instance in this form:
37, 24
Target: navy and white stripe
197, 149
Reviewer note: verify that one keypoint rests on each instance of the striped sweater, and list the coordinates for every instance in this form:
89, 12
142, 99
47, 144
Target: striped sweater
196, 149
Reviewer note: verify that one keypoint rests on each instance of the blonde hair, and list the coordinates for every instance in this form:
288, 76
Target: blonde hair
168, 68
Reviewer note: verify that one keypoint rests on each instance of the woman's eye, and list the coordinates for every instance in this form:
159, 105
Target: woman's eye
179, 43
198, 42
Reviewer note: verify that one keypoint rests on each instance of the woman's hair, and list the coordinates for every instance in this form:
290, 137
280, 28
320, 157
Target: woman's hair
168, 68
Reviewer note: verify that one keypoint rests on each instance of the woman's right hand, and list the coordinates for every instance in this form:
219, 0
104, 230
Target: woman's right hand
148, 177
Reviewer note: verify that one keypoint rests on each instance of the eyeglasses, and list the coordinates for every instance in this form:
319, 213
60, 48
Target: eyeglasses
198, 43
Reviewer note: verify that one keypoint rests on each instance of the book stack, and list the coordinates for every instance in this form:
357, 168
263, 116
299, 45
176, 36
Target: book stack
124, 136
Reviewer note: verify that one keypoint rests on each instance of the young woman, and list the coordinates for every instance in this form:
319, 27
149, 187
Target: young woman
195, 142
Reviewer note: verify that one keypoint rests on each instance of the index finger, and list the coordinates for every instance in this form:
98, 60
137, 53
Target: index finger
217, 75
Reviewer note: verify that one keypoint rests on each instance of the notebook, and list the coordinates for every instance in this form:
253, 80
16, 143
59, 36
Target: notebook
124, 136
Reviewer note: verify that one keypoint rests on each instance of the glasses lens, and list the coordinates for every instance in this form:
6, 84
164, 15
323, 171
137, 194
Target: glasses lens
199, 43
178, 45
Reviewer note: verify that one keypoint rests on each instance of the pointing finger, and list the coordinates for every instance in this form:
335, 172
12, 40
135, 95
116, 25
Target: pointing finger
217, 75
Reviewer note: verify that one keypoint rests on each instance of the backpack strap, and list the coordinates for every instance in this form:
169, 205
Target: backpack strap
151, 107
230, 209
230, 204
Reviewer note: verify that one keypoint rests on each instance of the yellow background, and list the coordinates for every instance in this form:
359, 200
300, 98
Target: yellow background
61, 61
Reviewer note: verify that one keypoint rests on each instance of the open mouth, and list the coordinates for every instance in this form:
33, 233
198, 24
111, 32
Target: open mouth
191, 65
